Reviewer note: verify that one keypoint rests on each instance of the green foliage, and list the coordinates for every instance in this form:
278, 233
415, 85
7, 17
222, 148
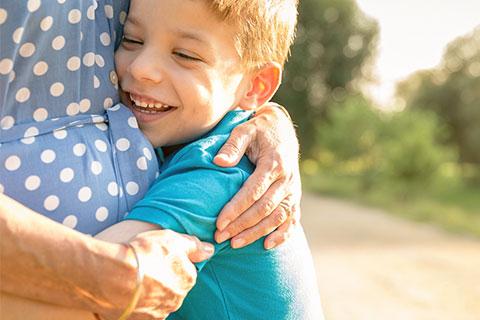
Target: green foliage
360, 141
452, 91
333, 45
411, 149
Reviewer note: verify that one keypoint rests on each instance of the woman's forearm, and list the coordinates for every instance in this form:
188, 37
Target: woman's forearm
43, 260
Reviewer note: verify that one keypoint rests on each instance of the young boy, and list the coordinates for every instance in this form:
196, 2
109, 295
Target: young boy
190, 70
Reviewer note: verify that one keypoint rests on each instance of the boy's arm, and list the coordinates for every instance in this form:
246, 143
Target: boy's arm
125, 231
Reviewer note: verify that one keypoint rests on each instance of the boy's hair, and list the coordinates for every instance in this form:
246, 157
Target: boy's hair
265, 29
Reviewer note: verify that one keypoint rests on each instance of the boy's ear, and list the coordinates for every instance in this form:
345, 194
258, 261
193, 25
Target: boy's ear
263, 85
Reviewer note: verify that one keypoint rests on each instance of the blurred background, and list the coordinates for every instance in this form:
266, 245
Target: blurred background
386, 99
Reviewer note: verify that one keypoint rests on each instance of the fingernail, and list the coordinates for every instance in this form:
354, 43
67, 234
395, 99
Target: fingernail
237, 243
223, 224
222, 236
208, 248
270, 244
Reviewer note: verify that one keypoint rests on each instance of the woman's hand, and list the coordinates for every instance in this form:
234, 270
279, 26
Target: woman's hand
270, 142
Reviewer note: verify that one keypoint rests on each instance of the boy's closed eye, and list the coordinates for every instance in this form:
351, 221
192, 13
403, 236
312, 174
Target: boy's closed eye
186, 56
130, 41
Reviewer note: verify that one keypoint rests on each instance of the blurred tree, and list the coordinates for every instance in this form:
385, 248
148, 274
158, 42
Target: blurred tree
452, 90
334, 43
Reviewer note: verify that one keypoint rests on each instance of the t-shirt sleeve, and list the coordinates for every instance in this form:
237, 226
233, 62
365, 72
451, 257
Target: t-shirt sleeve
189, 194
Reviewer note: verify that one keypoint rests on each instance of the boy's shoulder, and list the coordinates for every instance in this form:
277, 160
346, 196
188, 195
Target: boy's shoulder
207, 146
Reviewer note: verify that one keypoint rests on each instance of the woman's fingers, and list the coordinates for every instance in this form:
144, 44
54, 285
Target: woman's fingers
253, 192
233, 150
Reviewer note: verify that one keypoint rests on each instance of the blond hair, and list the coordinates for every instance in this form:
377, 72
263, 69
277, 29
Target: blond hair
265, 28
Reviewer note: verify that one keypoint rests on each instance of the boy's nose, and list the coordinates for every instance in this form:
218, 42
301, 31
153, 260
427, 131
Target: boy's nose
147, 68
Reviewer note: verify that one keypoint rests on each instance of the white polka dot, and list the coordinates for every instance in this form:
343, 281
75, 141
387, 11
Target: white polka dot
40, 68
102, 126
100, 145
33, 5
22, 95
7, 122
17, 35
75, 16
51, 203
79, 149
100, 61
6, 65
12, 76
97, 119
132, 122
96, 82
114, 108
108, 103
142, 163
73, 63
70, 221
48, 156
73, 109
121, 192
105, 39
101, 214
32, 183
157, 174
147, 153
58, 43
30, 132
29, 140
41, 114
29, 135
13, 163
112, 188
27, 49
132, 188
61, 1
67, 174
56, 89
91, 13
122, 144
85, 105
60, 134
84, 194
109, 11
122, 17
3, 15
96, 168
46, 23
2, 189
89, 59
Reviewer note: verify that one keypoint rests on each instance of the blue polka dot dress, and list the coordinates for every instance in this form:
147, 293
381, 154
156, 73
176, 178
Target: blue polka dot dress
68, 149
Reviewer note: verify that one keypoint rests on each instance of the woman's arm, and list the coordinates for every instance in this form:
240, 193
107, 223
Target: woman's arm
269, 140
45, 261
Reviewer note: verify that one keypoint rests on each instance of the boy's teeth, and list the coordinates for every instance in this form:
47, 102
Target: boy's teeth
148, 105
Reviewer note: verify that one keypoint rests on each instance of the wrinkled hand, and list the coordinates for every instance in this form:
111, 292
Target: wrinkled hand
166, 259
270, 142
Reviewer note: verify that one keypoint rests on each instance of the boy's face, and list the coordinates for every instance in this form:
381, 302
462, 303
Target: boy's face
178, 69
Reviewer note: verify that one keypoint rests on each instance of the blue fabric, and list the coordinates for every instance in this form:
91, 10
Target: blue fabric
61, 152
248, 283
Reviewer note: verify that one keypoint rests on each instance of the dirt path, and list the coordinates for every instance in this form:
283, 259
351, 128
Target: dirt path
375, 266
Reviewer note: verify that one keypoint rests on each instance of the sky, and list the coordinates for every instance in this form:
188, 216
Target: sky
413, 36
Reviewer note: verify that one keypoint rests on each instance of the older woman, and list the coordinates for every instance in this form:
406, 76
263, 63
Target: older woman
65, 157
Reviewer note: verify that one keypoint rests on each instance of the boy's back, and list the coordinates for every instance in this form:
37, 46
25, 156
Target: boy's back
246, 283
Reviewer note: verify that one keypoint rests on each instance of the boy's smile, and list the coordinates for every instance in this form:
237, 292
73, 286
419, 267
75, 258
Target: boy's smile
179, 70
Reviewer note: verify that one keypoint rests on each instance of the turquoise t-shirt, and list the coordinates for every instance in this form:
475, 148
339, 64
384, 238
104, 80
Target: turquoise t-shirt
247, 283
